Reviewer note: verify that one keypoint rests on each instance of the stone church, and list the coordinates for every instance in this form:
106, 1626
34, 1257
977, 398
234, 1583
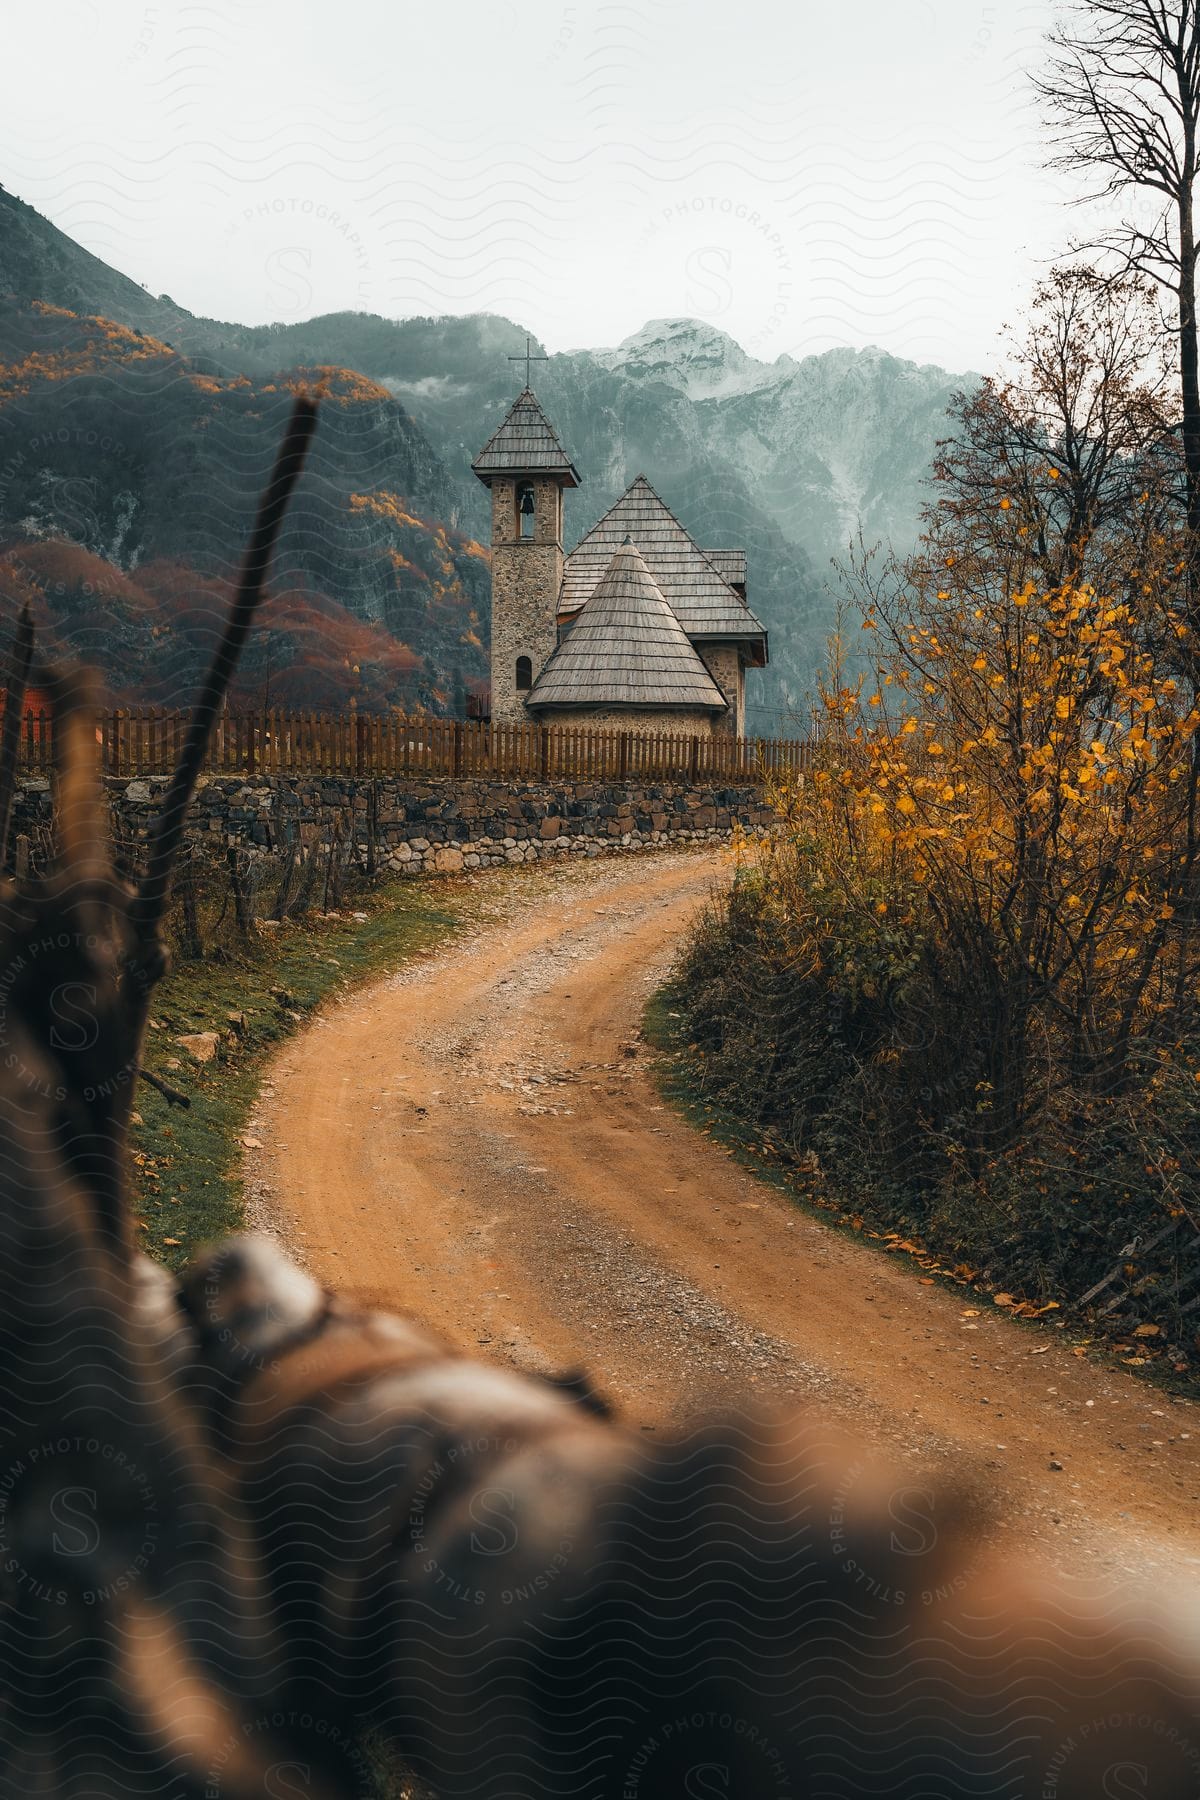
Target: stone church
638, 627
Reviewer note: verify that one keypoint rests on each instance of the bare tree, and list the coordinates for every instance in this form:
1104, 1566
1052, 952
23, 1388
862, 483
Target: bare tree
1078, 447
1123, 98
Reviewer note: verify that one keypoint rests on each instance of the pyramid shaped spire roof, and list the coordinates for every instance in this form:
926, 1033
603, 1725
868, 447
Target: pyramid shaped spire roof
525, 443
626, 648
696, 587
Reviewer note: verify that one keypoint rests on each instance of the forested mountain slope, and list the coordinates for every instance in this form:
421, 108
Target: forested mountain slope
791, 459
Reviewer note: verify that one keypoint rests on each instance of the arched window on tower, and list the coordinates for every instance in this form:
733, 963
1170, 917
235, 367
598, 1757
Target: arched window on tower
524, 674
526, 510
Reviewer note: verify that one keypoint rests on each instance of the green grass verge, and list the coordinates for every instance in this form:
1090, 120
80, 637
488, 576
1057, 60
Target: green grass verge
187, 1186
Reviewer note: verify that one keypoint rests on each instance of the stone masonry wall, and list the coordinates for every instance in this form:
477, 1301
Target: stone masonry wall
724, 665
433, 826
526, 580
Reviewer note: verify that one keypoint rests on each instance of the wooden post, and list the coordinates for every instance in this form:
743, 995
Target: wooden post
360, 745
457, 749
695, 762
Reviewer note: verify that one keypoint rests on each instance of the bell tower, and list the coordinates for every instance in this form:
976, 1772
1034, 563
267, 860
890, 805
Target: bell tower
527, 470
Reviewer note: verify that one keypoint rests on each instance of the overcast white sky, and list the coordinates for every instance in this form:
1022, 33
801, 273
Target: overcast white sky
803, 175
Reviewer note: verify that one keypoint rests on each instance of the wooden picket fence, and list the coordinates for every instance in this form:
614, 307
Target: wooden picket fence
147, 742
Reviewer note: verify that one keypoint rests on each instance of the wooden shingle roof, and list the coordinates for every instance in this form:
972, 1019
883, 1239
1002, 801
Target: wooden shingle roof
626, 648
729, 563
525, 443
696, 590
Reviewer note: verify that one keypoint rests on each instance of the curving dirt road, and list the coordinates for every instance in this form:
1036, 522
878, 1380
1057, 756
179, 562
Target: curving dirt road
475, 1141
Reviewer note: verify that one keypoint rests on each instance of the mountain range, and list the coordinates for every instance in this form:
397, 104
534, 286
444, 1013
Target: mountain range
134, 436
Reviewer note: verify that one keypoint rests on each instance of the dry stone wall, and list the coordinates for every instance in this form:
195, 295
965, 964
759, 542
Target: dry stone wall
414, 827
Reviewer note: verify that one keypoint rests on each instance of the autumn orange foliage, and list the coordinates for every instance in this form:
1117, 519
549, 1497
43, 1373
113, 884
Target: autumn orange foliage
333, 385
1024, 769
149, 633
964, 976
87, 345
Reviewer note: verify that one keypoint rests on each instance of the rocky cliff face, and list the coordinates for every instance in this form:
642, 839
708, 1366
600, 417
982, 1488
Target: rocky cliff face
830, 446
699, 360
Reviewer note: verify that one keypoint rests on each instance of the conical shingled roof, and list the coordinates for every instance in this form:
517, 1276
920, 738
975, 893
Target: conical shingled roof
696, 590
526, 443
626, 648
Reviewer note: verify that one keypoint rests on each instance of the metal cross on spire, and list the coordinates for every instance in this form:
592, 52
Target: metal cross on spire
528, 358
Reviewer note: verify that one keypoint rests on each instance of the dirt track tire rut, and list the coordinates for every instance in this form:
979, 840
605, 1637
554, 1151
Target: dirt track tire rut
470, 1142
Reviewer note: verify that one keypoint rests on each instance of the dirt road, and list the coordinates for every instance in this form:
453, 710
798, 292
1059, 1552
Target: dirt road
471, 1141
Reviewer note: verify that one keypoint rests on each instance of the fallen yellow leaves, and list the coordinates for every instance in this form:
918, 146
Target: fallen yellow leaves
1025, 1309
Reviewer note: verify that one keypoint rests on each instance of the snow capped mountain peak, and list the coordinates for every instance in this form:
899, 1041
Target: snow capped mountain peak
699, 359
682, 337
